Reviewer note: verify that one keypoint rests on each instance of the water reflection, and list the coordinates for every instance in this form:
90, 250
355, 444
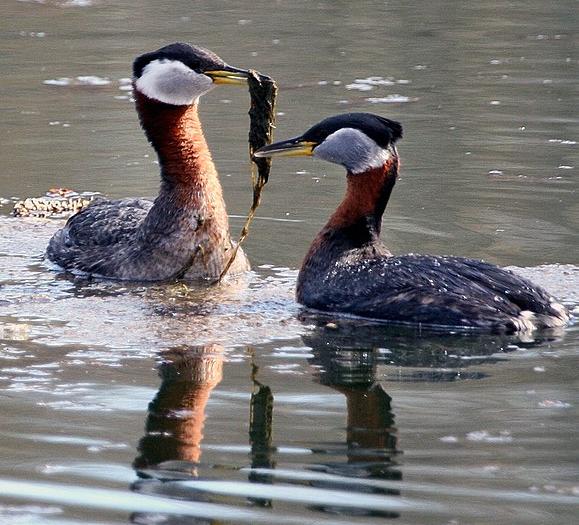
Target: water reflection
260, 431
176, 417
485, 180
170, 450
411, 354
359, 474
371, 437
171, 446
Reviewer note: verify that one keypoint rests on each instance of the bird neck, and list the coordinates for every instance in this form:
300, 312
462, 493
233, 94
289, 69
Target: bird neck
190, 209
359, 216
176, 135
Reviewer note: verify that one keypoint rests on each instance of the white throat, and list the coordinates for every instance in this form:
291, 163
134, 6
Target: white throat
353, 149
172, 82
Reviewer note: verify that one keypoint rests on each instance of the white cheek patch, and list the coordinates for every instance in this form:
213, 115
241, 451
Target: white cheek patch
172, 82
353, 149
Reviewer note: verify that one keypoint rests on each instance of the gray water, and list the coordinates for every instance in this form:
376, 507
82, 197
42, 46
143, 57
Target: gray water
125, 403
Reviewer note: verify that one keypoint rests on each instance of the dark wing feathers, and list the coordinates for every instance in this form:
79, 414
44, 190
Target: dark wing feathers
507, 284
433, 290
106, 222
98, 227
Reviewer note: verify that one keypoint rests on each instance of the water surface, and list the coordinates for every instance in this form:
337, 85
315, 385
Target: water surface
125, 403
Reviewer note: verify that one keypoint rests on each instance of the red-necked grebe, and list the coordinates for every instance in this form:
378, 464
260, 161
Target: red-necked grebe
348, 269
185, 231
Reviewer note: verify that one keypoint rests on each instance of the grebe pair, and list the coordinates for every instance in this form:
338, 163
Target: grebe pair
185, 232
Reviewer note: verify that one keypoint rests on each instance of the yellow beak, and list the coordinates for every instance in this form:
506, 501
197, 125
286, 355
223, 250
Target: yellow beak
228, 75
288, 148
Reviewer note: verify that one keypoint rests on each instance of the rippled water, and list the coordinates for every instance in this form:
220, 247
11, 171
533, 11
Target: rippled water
126, 403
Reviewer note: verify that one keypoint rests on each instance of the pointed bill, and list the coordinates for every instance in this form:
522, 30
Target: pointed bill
228, 75
296, 147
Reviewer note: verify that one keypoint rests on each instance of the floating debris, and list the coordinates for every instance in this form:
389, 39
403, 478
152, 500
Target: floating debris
263, 92
14, 331
58, 203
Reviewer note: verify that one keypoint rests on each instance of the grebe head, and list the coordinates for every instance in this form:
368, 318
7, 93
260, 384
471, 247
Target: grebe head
179, 74
357, 141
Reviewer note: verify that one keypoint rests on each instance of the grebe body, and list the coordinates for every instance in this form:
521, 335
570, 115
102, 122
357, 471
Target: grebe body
184, 233
349, 270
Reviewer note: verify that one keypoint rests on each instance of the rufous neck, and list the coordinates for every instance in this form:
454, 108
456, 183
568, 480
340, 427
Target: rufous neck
176, 134
366, 198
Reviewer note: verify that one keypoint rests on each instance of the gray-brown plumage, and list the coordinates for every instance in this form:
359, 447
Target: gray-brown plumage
185, 231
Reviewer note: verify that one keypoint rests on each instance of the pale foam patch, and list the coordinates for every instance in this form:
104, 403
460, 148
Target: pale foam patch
391, 99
